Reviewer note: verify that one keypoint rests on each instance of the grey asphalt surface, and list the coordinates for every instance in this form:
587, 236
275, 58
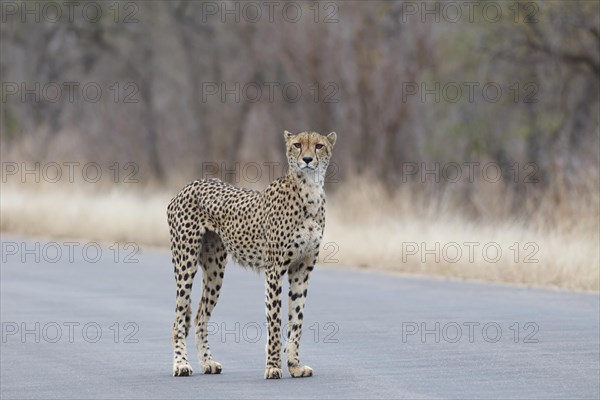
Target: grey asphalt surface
360, 333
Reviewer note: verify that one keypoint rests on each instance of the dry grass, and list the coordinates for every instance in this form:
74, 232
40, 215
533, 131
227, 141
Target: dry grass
366, 227
395, 237
111, 215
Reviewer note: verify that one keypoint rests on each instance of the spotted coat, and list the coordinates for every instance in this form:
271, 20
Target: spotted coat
275, 231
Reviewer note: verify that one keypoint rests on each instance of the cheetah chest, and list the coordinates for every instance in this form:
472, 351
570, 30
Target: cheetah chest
309, 231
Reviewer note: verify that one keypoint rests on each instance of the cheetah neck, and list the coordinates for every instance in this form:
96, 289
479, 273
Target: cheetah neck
310, 191
309, 181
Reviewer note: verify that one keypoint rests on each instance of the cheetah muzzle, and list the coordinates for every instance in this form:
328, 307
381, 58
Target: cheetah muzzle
276, 231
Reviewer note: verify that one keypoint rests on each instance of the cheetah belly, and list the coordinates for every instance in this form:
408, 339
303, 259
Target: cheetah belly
253, 257
246, 247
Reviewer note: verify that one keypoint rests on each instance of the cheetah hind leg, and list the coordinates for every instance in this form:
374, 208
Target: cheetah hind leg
213, 259
184, 277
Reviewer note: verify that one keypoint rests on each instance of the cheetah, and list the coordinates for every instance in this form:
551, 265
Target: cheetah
275, 231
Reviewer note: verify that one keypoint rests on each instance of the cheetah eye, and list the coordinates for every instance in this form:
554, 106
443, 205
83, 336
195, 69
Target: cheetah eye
298, 145
319, 146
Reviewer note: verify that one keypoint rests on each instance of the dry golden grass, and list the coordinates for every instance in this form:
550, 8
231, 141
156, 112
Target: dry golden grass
458, 248
112, 215
395, 236
366, 227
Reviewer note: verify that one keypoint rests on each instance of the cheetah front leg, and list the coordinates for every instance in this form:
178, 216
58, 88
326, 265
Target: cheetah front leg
273, 306
298, 278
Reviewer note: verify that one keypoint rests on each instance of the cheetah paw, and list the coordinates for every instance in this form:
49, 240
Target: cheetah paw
301, 371
273, 373
182, 368
211, 367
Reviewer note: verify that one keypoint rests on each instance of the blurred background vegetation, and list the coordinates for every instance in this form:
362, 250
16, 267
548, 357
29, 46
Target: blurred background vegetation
381, 74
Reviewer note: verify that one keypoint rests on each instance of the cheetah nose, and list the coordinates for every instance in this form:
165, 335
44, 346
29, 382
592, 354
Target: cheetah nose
307, 159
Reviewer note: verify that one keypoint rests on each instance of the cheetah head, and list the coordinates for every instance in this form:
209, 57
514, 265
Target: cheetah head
309, 152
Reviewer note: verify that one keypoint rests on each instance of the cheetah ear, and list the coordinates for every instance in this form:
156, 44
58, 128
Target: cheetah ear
332, 137
287, 134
